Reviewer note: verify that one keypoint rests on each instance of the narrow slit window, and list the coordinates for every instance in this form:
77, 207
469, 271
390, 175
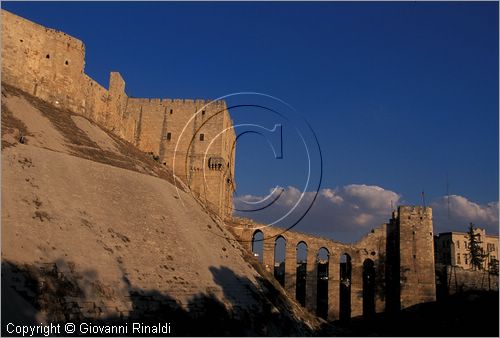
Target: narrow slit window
202, 137
171, 111
169, 136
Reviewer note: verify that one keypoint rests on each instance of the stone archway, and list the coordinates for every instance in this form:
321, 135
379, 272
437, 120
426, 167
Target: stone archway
301, 273
345, 287
258, 244
322, 268
368, 288
279, 259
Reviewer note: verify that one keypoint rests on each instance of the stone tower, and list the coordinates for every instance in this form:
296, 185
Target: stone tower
410, 274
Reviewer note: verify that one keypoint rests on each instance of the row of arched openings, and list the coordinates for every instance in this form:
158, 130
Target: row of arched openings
322, 278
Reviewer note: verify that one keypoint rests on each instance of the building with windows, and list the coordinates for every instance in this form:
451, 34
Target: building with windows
452, 248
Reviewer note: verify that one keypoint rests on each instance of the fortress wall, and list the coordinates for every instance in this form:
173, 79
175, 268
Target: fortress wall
201, 176
117, 104
162, 116
374, 246
50, 65
228, 149
95, 100
185, 121
152, 113
43, 62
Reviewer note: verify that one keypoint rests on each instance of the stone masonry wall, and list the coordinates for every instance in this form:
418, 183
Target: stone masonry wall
43, 62
188, 135
401, 253
460, 280
50, 65
371, 247
416, 255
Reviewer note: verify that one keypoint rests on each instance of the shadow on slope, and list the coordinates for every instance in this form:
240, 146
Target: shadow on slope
37, 292
31, 292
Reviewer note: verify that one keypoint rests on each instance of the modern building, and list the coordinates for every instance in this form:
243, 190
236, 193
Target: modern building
452, 248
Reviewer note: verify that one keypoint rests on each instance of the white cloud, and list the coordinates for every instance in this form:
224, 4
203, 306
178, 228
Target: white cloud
347, 213
454, 212
371, 196
332, 196
344, 213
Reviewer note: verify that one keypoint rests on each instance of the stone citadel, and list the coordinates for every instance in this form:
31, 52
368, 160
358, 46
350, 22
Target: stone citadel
391, 268
50, 65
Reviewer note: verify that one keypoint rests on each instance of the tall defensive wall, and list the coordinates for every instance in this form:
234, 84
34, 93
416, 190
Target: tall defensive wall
50, 65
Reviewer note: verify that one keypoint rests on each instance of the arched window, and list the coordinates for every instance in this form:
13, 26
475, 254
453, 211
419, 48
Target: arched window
279, 259
258, 244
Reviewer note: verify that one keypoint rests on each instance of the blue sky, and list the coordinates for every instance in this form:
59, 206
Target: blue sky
400, 94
